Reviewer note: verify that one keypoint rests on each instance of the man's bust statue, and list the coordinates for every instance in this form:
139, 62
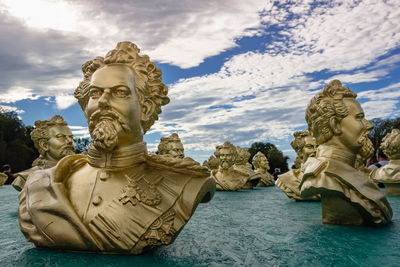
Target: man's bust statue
117, 198
261, 166
212, 163
348, 196
242, 165
389, 174
304, 145
227, 177
54, 140
171, 146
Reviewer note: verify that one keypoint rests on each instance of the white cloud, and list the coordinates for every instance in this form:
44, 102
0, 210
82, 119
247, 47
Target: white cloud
10, 108
17, 93
79, 131
258, 96
64, 101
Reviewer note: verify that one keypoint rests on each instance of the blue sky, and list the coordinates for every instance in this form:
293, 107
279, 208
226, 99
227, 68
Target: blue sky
241, 71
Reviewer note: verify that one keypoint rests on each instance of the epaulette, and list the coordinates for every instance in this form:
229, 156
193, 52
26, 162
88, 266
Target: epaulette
313, 167
184, 166
67, 165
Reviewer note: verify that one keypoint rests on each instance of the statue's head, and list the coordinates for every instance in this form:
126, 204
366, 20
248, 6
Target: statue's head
227, 155
213, 163
53, 138
335, 117
171, 146
391, 144
304, 145
260, 161
121, 96
242, 155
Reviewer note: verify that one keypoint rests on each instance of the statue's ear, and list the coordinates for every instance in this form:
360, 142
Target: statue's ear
148, 109
44, 145
335, 126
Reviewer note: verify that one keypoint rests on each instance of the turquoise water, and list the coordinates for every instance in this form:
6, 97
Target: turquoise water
260, 227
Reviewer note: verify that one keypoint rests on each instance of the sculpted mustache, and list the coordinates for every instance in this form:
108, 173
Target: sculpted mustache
99, 114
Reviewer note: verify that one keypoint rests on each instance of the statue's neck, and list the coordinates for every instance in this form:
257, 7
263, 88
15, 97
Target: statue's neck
44, 163
120, 157
332, 152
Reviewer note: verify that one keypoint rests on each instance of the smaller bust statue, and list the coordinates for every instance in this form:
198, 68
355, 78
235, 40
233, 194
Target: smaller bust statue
261, 166
242, 164
212, 163
54, 140
227, 178
336, 120
304, 145
171, 146
3, 178
389, 174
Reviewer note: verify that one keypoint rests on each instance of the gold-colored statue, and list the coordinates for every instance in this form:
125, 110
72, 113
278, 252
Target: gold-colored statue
389, 174
242, 165
54, 140
227, 177
365, 152
117, 198
348, 196
212, 163
261, 166
304, 145
3, 178
171, 146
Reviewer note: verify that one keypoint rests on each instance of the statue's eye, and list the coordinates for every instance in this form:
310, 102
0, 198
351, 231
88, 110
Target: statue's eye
121, 92
95, 93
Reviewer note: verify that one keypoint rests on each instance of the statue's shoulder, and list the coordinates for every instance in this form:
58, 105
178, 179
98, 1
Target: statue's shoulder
313, 167
186, 166
67, 165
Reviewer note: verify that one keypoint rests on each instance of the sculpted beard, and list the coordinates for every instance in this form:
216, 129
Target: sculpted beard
67, 150
104, 126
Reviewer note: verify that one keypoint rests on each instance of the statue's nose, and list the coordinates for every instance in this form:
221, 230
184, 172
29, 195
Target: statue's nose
104, 100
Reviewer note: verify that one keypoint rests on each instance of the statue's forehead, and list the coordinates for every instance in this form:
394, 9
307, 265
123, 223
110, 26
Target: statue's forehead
112, 75
60, 129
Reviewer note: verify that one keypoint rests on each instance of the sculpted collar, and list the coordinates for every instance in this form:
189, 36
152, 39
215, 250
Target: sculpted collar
118, 158
43, 163
332, 152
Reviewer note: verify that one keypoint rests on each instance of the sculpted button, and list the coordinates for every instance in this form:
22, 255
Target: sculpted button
104, 175
97, 200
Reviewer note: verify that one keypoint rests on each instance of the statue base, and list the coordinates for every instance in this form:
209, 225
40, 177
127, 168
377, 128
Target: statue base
392, 189
336, 210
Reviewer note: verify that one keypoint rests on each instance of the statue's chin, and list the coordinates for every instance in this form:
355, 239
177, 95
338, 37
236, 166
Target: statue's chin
105, 136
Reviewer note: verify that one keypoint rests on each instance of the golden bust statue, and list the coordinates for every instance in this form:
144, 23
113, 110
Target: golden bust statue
54, 140
227, 177
389, 174
261, 166
171, 146
348, 196
3, 178
304, 145
212, 163
117, 198
242, 165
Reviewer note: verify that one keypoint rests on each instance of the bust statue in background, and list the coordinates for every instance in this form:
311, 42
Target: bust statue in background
304, 145
54, 140
226, 177
348, 196
117, 198
242, 164
389, 174
3, 178
171, 146
212, 163
261, 167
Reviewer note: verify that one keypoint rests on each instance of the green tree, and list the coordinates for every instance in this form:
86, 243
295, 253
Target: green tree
81, 144
274, 155
381, 128
16, 146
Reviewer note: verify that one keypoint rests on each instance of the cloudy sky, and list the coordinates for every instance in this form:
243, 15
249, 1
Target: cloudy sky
237, 70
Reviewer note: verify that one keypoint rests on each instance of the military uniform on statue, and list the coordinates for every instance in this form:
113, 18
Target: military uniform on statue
117, 198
